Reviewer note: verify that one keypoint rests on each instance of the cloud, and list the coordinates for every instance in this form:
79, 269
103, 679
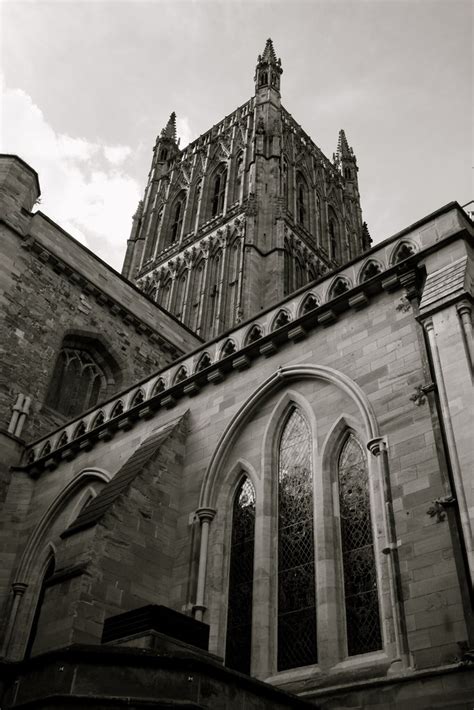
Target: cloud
184, 131
116, 154
84, 185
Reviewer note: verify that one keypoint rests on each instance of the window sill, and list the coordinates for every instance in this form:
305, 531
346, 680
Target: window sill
349, 670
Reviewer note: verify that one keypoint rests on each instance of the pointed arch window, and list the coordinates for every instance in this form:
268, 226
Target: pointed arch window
83, 374
363, 630
198, 280
177, 223
218, 191
284, 181
152, 237
197, 199
239, 171
239, 613
333, 235
164, 294
296, 569
181, 296
302, 201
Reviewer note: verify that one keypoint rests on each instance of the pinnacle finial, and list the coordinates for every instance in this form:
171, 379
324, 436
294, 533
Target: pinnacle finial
170, 129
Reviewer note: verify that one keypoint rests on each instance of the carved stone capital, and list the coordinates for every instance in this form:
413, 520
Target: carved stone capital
377, 446
19, 588
205, 514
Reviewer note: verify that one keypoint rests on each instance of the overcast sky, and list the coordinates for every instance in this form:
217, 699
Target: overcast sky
88, 84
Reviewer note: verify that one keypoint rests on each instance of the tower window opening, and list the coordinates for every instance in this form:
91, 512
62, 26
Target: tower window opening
218, 194
301, 199
177, 221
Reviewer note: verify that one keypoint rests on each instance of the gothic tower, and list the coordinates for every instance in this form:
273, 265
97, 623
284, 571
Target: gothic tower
246, 214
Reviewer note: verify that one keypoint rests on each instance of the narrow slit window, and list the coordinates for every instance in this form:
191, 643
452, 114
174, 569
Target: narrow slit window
239, 614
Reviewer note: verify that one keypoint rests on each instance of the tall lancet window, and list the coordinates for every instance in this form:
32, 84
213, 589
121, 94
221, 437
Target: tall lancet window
218, 192
296, 582
239, 614
177, 223
360, 578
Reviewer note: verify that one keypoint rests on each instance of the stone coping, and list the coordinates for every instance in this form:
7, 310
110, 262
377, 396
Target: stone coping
83, 655
320, 303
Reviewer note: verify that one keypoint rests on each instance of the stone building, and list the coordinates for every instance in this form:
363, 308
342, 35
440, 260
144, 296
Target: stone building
240, 474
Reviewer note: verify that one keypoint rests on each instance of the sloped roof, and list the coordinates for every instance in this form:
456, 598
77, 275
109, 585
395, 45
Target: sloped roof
92, 513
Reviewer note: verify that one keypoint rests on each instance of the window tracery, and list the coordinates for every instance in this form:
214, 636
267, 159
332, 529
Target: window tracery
296, 581
78, 382
359, 571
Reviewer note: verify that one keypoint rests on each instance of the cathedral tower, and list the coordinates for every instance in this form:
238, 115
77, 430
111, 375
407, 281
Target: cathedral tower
244, 215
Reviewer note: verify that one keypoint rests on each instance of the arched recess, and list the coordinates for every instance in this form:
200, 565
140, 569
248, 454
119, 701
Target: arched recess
335, 632
46, 572
403, 250
282, 376
37, 553
369, 269
37, 537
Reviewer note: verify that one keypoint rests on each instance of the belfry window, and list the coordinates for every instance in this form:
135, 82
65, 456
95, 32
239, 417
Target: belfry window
239, 613
301, 201
218, 192
363, 629
177, 220
296, 570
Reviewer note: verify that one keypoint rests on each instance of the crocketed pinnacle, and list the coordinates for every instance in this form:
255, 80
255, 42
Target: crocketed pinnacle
170, 129
269, 52
343, 149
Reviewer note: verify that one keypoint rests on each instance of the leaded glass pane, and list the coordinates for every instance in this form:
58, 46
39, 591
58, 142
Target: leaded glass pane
360, 579
296, 584
239, 615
